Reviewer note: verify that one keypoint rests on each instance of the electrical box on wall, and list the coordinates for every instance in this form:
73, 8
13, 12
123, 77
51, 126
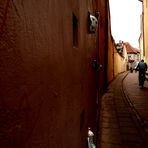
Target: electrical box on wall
92, 23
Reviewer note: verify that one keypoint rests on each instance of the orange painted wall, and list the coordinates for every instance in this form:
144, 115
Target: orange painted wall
116, 63
145, 4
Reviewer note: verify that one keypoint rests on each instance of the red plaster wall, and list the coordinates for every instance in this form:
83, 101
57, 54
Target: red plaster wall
110, 60
102, 33
111, 46
47, 86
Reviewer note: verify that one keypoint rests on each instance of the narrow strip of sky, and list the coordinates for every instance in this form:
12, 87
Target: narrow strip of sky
125, 20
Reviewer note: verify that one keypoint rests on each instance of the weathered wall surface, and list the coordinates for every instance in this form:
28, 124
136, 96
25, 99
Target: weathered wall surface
116, 63
110, 72
111, 46
101, 41
47, 86
120, 64
145, 31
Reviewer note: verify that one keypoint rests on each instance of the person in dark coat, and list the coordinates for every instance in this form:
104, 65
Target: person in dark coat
141, 67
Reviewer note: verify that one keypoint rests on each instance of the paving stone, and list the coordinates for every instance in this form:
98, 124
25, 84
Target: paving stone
111, 138
124, 114
110, 145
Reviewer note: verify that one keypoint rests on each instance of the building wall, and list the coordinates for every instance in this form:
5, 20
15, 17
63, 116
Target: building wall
103, 43
141, 47
110, 60
120, 63
116, 63
141, 37
145, 2
111, 46
48, 87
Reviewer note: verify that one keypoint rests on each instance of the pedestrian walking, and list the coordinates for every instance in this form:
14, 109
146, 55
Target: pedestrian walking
142, 68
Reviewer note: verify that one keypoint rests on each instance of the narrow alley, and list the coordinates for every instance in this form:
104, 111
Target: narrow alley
124, 114
57, 60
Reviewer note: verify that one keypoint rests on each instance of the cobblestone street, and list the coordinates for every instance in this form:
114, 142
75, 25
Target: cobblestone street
124, 114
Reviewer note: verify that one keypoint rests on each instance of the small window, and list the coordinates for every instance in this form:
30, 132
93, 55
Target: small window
75, 31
